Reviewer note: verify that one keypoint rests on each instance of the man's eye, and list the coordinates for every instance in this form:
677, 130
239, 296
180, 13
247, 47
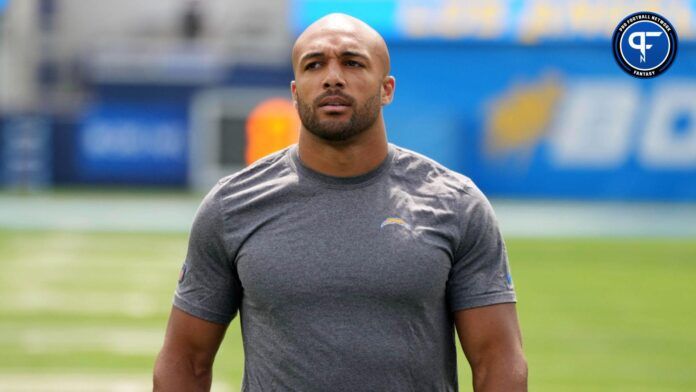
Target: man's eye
312, 65
353, 63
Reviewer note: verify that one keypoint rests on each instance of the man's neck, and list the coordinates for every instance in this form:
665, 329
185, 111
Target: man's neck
343, 159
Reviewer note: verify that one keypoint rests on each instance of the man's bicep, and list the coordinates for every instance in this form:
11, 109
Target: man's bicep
209, 287
480, 273
192, 337
489, 331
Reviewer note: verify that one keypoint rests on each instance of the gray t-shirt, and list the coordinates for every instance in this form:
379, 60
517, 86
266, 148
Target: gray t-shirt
345, 284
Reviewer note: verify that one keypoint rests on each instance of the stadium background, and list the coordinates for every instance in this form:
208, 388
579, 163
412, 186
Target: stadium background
115, 117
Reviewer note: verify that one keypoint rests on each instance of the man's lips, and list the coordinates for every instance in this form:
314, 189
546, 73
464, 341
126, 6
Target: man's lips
334, 101
334, 109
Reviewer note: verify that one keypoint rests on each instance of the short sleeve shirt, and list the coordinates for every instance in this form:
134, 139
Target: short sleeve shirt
345, 283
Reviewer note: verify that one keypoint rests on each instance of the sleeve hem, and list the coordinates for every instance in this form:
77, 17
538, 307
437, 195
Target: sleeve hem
483, 300
201, 313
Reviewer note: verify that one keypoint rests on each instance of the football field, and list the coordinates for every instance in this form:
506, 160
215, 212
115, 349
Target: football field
86, 311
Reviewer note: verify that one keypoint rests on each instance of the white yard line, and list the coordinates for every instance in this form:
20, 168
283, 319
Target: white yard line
131, 304
32, 382
37, 339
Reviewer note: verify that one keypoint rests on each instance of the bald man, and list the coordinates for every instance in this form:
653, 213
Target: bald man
349, 259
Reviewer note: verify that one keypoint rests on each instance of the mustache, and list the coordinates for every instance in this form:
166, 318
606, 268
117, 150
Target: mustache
334, 93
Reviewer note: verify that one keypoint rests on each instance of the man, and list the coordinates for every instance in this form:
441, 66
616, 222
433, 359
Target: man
349, 259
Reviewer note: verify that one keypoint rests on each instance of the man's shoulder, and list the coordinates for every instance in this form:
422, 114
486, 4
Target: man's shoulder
269, 170
426, 172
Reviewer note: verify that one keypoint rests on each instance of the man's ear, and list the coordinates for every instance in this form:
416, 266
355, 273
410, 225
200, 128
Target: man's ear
293, 91
388, 86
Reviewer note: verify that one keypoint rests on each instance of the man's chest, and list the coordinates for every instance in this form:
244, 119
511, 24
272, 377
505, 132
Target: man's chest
390, 248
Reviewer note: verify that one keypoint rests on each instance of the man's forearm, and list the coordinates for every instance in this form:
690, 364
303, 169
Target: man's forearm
178, 374
501, 374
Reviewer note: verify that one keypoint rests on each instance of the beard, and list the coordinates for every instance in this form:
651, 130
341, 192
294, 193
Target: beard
362, 118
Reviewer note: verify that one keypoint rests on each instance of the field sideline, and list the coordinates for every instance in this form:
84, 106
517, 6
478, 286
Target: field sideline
171, 212
87, 311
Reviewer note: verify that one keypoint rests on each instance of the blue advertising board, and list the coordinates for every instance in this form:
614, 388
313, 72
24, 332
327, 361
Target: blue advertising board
125, 142
549, 120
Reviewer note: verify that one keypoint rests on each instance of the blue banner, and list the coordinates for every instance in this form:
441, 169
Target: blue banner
133, 142
548, 121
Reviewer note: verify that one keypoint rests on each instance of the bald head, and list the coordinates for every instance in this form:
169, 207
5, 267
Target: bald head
342, 79
339, 29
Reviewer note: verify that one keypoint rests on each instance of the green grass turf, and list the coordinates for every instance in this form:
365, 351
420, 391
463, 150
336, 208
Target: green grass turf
597, 315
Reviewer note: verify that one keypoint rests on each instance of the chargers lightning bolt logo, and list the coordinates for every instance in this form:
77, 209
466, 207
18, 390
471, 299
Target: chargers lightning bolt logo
395, 221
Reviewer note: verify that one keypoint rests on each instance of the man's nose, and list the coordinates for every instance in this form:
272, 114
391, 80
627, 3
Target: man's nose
334, 76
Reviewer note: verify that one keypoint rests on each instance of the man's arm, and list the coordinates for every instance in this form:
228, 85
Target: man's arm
492, 342
186, 360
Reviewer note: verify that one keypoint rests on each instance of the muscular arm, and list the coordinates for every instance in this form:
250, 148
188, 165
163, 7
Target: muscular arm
186, 360
491, 340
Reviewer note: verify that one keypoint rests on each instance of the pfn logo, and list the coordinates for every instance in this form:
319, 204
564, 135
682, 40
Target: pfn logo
645, 44
642, 45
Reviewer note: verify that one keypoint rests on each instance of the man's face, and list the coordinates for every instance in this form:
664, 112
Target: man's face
338, 85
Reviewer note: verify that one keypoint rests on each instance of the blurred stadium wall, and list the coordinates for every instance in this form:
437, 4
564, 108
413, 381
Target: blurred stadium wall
522, 96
